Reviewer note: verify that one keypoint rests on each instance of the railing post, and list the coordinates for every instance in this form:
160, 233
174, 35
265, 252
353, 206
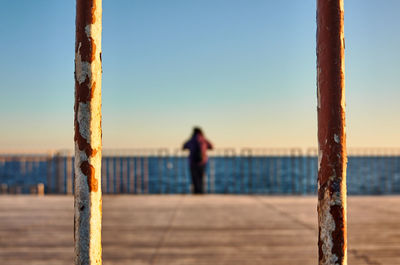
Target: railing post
49, 173
131, 174
69, 174
138, 174
59, 173
332, 240
162, 155
212, 176
88, 200
146, 175
124, 167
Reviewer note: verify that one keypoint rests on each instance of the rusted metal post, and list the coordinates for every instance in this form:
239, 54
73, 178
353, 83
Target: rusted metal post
88, 201
332, 158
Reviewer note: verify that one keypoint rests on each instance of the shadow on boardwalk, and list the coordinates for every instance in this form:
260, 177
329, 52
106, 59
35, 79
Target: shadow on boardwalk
179, 229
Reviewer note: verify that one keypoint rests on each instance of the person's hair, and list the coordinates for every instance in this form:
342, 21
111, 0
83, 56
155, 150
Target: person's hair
197, 131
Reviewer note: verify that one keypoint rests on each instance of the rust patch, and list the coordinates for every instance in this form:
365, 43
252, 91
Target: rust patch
89, 171
83, 144
339, 246
83, 91
83, 94
85, 12
321, 192
85, 15
87, 49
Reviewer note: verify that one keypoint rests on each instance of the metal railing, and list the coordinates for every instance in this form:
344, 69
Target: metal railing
165, 171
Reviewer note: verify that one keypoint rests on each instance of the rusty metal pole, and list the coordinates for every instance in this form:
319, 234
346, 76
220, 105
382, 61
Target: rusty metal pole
88, 201
332, 158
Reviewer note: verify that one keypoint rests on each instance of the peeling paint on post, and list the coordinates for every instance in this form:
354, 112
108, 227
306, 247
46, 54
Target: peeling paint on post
87, 122
332, 158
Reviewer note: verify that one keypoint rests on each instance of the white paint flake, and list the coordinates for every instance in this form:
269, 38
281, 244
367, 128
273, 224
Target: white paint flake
327, 226
336, 138
82, 69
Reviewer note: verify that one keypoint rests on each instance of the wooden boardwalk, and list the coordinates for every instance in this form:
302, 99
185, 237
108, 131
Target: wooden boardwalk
188, 230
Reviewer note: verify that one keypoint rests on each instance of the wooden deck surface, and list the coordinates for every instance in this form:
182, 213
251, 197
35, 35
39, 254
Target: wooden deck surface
187, 230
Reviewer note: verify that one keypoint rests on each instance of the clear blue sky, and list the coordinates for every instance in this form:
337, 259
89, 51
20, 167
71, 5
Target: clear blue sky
243, 70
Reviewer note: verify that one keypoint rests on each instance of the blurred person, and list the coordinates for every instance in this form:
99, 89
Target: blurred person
197, 146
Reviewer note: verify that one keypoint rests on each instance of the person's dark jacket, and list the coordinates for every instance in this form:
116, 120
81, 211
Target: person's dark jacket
193, 144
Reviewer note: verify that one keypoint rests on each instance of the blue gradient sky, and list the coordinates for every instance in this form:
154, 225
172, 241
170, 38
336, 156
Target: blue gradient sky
243, 70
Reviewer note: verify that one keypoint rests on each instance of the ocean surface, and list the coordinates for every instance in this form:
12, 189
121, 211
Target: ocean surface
225, 174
